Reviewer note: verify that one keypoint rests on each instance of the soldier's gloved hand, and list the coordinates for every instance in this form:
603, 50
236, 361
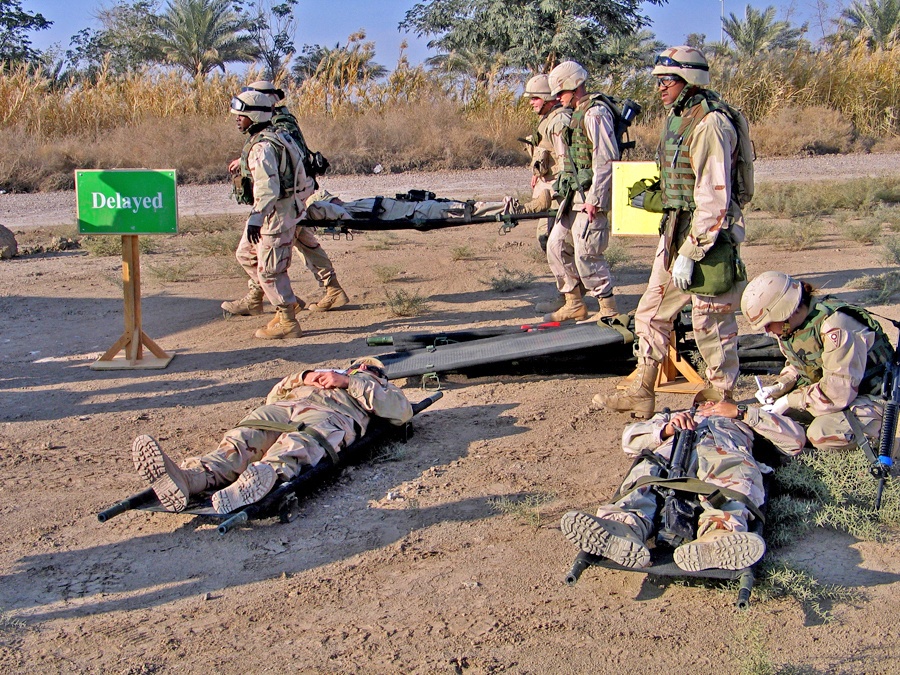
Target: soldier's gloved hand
767, 395
253, 233
778, 407
682, 271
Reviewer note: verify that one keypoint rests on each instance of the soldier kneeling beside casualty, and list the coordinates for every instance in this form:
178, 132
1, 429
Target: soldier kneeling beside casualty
306, 416
721, 455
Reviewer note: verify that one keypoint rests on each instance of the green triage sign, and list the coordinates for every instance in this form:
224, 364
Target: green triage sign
126, 201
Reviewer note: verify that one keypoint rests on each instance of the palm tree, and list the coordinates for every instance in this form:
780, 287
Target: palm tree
876, 21
759, 32
202, 35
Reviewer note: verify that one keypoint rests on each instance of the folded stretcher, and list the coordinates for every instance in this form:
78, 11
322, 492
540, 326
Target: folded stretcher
283, 501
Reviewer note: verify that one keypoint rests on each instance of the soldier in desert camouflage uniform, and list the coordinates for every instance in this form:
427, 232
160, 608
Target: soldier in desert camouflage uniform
306, 416
305, 241
722, 456
271, 177
697, 158
835, 353
585, 184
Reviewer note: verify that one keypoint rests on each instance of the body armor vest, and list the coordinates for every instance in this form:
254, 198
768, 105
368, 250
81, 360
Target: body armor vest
803, 349
559, 116
676, 175
243, 188
578, 168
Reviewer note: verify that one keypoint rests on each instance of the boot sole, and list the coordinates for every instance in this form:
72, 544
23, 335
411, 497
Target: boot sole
251, 486
150, 464
734, 551
263, 334
605, 538
227, 313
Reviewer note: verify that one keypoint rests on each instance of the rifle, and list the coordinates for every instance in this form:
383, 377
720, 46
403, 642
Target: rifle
436, 339
890, 392
677, 515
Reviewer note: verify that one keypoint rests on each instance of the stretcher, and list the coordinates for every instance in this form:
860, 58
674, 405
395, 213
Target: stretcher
416, 210
662, 563
284, 499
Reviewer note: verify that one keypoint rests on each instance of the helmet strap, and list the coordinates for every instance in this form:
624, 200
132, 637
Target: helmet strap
256, 127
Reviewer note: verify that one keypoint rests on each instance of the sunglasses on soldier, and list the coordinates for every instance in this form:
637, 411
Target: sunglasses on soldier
672, 63
666, 81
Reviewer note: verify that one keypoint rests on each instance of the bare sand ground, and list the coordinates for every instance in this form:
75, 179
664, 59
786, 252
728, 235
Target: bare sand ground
402, 566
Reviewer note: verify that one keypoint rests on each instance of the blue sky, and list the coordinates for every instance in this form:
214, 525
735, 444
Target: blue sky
332, 21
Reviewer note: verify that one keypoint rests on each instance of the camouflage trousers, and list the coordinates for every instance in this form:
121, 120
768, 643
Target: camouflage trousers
267, 263
832, 431
581, 260
714, 324
722, 456
285, 452
314, 256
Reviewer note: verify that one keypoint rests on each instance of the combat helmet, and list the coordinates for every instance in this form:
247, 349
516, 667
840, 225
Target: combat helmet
686, 62
567, 76
253, 104
539, 87
266, 87
772, 296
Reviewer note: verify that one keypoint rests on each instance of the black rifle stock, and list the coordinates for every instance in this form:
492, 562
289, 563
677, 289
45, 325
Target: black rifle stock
890, 391
677, 516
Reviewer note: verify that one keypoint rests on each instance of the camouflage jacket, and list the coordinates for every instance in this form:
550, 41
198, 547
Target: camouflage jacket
831, 359
591, 151
696, 156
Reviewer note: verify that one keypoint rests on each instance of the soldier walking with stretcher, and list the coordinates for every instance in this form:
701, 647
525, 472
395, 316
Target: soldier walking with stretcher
720, 472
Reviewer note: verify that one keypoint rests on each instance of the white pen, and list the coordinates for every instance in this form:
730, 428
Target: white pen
759, 386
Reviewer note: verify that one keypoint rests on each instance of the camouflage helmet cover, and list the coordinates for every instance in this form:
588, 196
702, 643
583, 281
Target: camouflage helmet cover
772, 296
266, 87
539, 87
686, 62
253, 104
567, 76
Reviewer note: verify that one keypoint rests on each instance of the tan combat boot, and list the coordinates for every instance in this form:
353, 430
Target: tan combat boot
172, 484
607, 538
250, 305
639, 398
720, 549
286, 326
274, 321
573, 310
550, 305
334, 297
251, 486
608, 308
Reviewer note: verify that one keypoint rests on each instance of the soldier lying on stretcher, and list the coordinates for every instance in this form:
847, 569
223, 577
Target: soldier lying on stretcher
306, 415
721, 456
416, 206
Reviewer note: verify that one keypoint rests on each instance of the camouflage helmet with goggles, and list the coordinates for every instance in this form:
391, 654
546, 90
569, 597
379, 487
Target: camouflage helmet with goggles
539, 87
266, 87
567, 76
253, 104
686, 62
770, 297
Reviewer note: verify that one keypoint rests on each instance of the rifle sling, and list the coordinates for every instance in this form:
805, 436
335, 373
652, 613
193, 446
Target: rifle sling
301, 429
717, 496
860, 436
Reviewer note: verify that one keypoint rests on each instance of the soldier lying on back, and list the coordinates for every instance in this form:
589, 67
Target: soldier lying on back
306, 416
721, 456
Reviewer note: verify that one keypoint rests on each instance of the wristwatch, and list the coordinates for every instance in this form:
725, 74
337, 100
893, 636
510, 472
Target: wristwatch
741, 411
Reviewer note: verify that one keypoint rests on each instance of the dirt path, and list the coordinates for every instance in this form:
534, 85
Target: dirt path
58, 208
445, 557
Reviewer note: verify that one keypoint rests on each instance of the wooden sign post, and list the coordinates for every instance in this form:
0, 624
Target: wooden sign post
128, 203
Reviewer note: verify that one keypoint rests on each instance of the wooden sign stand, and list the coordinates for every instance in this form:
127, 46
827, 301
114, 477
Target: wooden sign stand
676, 375
134, 339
